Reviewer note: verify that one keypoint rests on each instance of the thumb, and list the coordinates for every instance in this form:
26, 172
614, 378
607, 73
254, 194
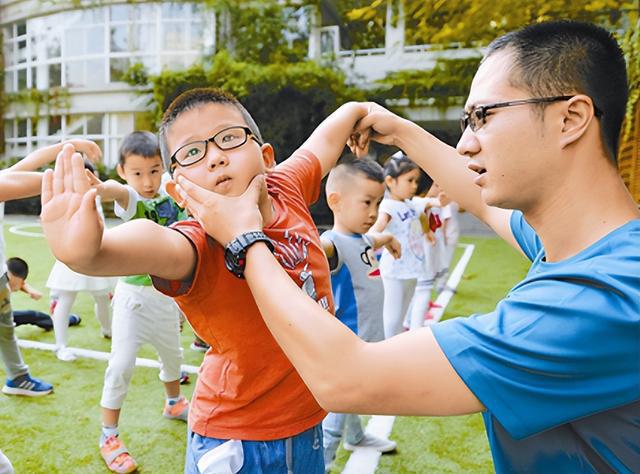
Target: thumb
89, 200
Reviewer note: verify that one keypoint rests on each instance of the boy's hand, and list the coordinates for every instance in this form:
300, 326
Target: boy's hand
69, 217
90, 149
388, 241
223, 217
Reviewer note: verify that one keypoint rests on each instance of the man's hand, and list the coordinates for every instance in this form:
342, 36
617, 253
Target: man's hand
70, 219
223, 217
379, 125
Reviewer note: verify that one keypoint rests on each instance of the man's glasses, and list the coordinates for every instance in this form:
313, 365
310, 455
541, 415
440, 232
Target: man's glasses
226, 139
477, 116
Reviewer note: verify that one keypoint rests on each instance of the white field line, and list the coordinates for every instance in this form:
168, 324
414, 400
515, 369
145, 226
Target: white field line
97, 355
17, 229
365, 460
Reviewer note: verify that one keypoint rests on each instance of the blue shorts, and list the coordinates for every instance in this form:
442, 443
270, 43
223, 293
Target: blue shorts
300, 454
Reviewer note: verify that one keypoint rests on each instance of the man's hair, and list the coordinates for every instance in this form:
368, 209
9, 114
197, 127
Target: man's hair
18, 267
192, 99
342, 173
563, 57
398, 165
140, 143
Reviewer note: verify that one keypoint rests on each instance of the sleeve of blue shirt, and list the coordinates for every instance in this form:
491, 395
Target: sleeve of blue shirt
559, 347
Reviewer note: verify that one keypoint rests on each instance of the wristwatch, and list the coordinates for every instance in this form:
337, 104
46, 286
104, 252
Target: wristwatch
236, 251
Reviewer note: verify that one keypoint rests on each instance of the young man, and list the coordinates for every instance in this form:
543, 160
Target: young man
555, 367
250, 408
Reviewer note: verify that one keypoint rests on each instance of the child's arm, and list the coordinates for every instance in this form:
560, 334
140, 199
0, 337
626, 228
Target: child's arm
31, 291
330, 137
387, 240
19, 184
110, 190
75, 233
381, 223
330, 252
45, 155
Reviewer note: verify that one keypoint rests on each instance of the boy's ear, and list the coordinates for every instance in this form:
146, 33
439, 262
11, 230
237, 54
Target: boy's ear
268, 155
333, 201
120, 171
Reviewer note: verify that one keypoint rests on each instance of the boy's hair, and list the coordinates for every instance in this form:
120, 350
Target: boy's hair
89, 166
565, 57
367, 168
18, 267
195, 98
398, 165
139, 143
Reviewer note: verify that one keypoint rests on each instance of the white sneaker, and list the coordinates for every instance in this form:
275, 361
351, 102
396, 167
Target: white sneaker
370, 441
65, 354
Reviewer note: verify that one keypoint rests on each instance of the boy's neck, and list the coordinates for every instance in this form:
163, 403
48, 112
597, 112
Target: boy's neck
340, 228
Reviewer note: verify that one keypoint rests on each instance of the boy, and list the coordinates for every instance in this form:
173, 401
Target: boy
18, 182
141, 314
354, 191
17, 272
250, 408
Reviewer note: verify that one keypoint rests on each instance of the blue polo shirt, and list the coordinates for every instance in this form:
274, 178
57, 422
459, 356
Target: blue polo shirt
557, 363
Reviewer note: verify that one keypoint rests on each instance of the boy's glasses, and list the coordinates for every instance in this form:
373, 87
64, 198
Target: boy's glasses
226, 139
476, 117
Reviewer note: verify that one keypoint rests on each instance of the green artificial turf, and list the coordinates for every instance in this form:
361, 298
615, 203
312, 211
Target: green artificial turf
59, 433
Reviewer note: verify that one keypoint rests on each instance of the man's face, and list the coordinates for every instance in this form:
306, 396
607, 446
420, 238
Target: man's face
15, 282
142, 174
512, 152
226, 172
357, 209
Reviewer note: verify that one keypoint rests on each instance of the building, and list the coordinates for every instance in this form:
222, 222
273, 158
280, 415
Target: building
81, 50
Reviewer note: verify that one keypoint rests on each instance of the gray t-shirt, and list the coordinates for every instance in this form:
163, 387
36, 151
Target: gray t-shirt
357, 288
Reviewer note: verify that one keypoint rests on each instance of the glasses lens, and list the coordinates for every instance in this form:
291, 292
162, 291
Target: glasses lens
230, 138
190, 153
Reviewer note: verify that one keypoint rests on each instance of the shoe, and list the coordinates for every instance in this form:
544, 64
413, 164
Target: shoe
65, 354
199, 346
370, 441
434, 305
117, 457
74, 320
105, 334
184, 378
178, 411
27, 386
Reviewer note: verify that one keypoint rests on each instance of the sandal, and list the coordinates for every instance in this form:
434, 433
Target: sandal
117, 457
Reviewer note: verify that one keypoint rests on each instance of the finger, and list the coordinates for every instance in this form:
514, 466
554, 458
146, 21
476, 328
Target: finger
255, 190
93, 179
58, 174
172, 191
79, 178
47, 187
191, 191
89, 201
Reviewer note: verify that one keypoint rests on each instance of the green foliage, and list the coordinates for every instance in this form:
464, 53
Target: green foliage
34, 100
287, 100
446, 84
631, 47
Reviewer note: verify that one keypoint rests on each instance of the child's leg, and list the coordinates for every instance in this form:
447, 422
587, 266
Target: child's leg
332, 428
31, 316
353, 429
61, 316
102, 310
5, 465
397, 296
420, 303
8, 343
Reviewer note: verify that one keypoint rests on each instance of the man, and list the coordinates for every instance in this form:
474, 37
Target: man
556, 366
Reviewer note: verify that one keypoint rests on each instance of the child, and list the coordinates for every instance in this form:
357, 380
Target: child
140, 313
451, 230
250, 408
65, 284
17, 272
400, 216
354, 191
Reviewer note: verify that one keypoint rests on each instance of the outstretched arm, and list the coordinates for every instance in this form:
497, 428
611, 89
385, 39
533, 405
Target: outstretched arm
441, 161
407, 374
19, 184
45, 155
330, 137
76, 235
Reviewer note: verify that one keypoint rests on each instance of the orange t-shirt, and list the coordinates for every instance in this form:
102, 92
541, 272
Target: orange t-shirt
247, 389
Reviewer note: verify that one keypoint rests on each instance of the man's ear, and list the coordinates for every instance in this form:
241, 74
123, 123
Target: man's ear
120, 171
268, 155
333, 201
578, 114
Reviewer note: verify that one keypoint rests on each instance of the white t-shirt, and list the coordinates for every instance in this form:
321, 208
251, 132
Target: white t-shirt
405, 226
3, 264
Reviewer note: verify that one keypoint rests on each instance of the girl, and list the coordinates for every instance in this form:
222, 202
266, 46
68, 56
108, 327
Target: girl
65, 285
400, 216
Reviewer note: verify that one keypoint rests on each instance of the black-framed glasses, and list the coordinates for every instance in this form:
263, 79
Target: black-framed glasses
477, 116
226, 139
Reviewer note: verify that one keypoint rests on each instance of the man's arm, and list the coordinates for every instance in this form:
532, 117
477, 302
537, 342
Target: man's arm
19, 184
407, 374
441, 161
330, 137
75, 233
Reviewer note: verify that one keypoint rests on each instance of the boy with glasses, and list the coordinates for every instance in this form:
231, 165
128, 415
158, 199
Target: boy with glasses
555, 368
251, 411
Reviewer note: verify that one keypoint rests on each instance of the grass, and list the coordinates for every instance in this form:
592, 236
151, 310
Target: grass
59, 433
